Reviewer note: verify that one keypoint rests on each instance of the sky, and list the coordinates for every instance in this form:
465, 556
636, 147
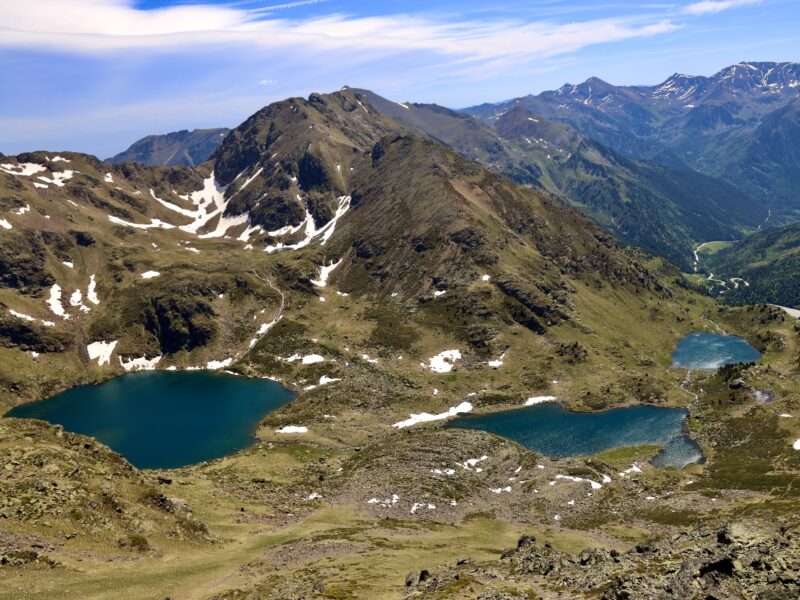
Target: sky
96, 75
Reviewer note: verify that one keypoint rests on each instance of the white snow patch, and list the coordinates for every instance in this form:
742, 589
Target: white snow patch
292, 429
444, 361
796, 444
309, 359
67, 263
501, 490
5, 224
385, 503
76, 299
58, 178
22, 210
464, 407
153, 224
22, 169
313, 496
539, 400
101, 351
54, 302
325, 273
108, 178
439, 293
497, 363
486, 277
150, 274
311, 231
139, 364
91, 291
366, 358
471, 464
634, 468
216, 365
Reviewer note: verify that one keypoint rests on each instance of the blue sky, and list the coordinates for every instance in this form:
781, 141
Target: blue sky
95, 75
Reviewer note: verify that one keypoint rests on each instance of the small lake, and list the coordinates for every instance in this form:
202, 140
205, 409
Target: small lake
556, 432
163, 419
710, 351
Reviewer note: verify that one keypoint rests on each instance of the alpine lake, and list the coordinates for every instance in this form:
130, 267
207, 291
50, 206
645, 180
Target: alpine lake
167, 419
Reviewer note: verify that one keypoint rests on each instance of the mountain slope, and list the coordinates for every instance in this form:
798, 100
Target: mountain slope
705, 123
661, 209
187, 148
769, 261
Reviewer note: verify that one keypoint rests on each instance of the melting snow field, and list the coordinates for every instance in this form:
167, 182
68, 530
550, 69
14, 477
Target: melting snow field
150, 274
325, 273
54, 302
311, 232
292, 429
464, 407
139, 364
539, 400
23, 169
444, 361
101, 351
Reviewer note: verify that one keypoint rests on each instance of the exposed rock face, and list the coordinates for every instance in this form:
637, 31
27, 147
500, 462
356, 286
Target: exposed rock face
22, 262
733, 562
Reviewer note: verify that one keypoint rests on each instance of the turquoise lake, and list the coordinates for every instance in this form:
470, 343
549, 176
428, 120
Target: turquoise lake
558, 433
163, 419
710, 351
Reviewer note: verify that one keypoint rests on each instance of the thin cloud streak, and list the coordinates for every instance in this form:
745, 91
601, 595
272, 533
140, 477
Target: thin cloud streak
706, 7
99, 26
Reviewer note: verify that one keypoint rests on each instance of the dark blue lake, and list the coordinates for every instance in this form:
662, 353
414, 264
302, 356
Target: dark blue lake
163, 419
710, 351
553, 431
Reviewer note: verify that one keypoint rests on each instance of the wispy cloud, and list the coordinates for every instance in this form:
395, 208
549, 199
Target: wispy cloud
714, 6
99, 26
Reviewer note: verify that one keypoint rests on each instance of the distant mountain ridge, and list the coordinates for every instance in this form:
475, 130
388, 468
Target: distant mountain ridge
660, 208
710, 124
186, 148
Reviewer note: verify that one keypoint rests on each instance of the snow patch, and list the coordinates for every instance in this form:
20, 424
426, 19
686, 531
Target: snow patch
23, 169
153, 224
139, 364
444, 361
58, 178
54, 302
497, 363
464, 407
309, 359
5, 224
539, 400
325, 273
216, 365
292, 429
311, 231
150, 274
101, 351
91, 291
634, 468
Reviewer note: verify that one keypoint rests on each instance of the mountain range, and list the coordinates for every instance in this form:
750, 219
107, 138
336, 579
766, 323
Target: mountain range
739, 124
663, 167
187, 148
393, 265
